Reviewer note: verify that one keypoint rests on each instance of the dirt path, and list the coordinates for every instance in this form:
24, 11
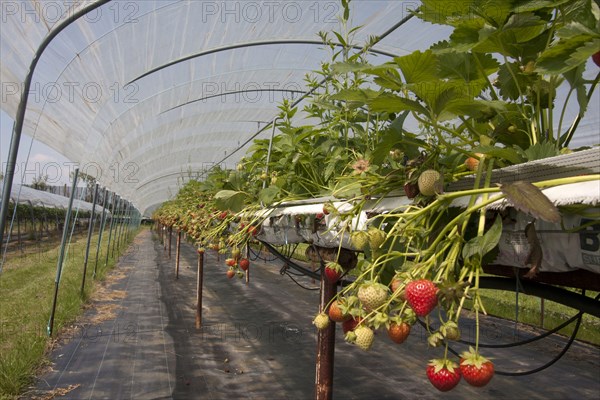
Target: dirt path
257, 342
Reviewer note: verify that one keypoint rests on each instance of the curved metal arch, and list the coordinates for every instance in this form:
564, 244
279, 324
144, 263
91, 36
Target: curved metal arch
115, 158
155, 94
249, 44
163, 176
376, 40
230, 93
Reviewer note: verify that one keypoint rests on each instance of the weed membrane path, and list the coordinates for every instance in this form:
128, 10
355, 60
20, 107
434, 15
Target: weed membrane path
257, 342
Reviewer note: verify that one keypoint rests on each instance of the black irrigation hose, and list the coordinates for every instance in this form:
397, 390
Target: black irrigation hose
290, 263
578, 317
527, 341
257, 256
542, 367
284, 271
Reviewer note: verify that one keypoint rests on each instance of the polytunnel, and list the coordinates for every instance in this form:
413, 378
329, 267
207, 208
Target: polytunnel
40, 198
458, 151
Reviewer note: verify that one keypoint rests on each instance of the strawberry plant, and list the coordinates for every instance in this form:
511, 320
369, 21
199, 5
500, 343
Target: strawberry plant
486, 97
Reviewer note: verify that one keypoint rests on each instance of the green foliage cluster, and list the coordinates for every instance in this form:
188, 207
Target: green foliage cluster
483, 98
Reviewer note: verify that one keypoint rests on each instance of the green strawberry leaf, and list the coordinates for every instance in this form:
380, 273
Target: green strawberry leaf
567, 54
575, 79
481, 245
392, 103
419, 67
230, 200
541, 150
269, 194
505, 153
530, 199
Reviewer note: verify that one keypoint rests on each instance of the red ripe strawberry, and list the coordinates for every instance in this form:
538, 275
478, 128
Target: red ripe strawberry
443, 374
244, 264
333, 271
230, 262
252, 230
320, 215
230, 273
349, 325
421, 296
223, 215
395, 285
476, 369
336, 314
398, 332
596, 58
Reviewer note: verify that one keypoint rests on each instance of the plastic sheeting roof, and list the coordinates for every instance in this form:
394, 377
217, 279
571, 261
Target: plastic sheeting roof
39, 198
139, 134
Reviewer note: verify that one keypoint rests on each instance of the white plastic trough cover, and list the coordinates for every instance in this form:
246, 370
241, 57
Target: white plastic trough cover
139, 134
562, 250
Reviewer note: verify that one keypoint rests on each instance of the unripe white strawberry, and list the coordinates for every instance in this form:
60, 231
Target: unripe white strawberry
372, 295
359, 239
321, 321
376, 238
431, 182
364, 337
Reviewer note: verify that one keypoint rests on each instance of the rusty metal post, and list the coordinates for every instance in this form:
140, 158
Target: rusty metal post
177, 248
248, 270
325, 346
170, 233
199, 282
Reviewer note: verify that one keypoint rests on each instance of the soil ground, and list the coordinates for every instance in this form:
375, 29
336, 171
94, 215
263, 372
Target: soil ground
257, 342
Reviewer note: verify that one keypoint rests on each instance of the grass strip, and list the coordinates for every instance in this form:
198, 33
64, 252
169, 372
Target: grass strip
27, 288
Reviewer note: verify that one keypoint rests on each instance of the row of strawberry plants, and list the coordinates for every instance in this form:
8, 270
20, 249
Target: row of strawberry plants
484, 98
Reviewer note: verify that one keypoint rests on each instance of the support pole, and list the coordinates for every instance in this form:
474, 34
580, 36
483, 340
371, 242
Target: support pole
325, 346
248, 257
123, 224
102, 223
170, 232
177, 249
118, 216
19, 239
61, 255
199, 282
89, 239
110, 230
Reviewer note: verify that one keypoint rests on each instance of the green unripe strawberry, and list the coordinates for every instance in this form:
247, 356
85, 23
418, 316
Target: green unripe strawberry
431, 182
364, 337
376, 238
321, 321
372, 295
359, 239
